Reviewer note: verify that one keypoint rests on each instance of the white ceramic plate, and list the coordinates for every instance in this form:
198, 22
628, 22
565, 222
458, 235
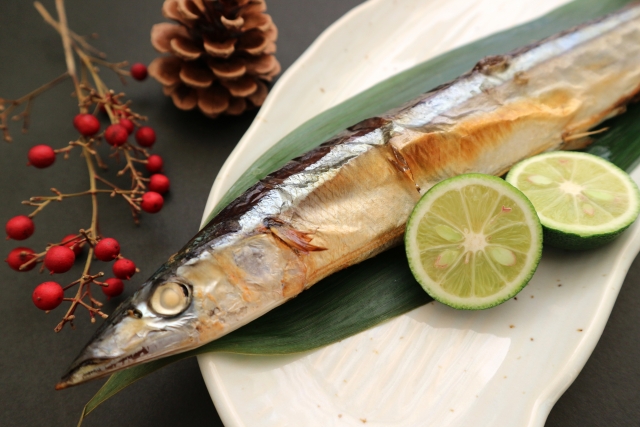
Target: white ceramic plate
433, 366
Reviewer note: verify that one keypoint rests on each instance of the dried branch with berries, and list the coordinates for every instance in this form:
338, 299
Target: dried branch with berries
144, 193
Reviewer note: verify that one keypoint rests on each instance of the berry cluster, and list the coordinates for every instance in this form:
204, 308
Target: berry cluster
59, 258
144, 195
117, 135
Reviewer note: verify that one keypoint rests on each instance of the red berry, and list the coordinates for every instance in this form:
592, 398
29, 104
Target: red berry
19, 227
87, 124
107, 249
41, 156
159, 183
124, 268
59, 259
114, 287
128, 125
47, 295
154, 163
20, 256
73, 243
151, 202
145, 136
139, 71
116, 135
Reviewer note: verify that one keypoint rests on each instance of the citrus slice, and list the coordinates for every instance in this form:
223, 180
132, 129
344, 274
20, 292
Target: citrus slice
473, 241
583, 201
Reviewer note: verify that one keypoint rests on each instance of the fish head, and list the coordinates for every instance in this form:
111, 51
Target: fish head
171, 313
197, 296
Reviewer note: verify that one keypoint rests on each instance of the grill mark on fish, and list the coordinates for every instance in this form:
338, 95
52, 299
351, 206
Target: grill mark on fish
401, 164
492, 64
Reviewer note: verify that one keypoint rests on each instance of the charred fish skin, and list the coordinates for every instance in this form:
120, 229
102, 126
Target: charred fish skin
349, 199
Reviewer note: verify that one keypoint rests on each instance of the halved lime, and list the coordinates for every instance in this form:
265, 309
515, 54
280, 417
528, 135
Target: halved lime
473, 241
583, 201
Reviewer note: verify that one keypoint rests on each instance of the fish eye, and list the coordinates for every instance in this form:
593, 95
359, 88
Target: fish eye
170, 298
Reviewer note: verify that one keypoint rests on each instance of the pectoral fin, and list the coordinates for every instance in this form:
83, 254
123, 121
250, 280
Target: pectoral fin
296, 239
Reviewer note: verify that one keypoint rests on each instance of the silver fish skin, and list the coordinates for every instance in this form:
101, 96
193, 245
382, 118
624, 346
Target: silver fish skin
349, 199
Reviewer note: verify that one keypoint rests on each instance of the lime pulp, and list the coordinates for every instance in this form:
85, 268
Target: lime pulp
583, 201
473, 241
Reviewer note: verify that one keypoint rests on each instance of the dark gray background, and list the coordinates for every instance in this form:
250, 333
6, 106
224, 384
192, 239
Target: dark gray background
32, 357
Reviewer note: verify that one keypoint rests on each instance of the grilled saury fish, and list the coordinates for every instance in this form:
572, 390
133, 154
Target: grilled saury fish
349, 199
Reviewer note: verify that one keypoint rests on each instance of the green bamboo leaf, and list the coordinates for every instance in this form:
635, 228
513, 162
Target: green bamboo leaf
362, 296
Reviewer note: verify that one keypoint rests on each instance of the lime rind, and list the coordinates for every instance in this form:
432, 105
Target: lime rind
500, 283
607, 200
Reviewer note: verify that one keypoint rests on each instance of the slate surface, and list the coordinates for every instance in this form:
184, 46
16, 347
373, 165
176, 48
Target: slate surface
32, 357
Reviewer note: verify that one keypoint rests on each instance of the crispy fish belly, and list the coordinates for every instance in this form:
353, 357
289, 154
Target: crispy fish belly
349, 199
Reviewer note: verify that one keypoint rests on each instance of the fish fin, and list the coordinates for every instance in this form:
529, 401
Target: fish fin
296, 239
579, 140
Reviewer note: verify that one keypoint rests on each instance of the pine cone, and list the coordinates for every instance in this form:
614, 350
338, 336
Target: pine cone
221, 54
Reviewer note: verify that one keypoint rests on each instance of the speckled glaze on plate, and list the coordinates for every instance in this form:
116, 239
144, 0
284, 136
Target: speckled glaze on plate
433, 366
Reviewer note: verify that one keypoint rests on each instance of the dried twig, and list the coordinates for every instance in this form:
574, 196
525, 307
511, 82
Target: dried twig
92, 94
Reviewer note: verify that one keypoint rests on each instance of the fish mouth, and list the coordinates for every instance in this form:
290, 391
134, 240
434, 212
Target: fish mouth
85, 370
88, 366
132, 335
